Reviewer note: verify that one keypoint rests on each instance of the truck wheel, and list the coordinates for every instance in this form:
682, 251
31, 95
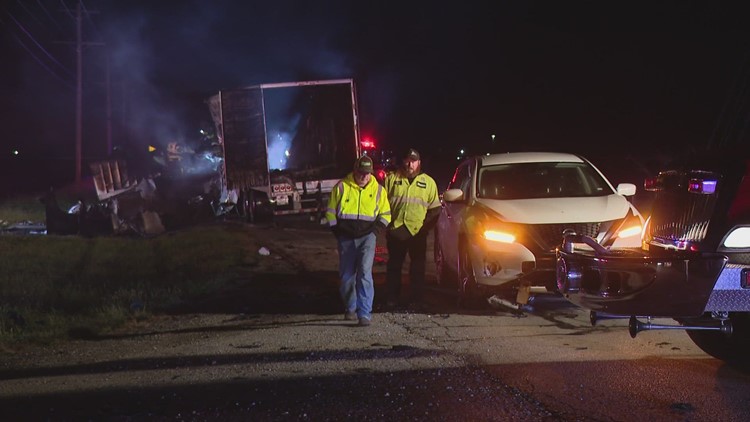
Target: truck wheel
249, 201
258, 208
733, 349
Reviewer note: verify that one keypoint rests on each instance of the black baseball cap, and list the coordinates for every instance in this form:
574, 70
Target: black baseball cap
411, 154
364, 165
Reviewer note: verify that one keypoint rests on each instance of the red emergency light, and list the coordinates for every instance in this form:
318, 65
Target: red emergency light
367, 143
706, 187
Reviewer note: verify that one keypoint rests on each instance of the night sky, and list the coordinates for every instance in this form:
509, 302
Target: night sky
605, 79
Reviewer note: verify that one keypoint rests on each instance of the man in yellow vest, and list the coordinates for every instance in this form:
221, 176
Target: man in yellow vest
357, 210
415, 206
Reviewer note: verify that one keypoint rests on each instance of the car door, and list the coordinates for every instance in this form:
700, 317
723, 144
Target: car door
453, 214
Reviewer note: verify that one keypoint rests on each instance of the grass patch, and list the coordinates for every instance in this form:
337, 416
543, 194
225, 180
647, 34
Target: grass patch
20, 209
56, 286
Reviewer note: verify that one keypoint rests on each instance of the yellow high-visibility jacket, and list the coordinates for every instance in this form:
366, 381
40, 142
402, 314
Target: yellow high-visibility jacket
411, 201
354, 211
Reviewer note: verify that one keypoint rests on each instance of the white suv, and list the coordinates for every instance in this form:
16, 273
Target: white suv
504, 215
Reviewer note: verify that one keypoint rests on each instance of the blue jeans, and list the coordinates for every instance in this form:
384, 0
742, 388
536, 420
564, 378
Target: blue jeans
355, 270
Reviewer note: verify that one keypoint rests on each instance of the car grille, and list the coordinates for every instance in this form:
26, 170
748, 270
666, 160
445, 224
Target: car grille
682, 217
549, 236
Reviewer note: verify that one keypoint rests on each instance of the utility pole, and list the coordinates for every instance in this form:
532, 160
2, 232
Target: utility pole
79, 44
79, 91
108, 87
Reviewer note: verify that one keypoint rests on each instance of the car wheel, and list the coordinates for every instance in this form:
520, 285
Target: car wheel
733, 348
468, 292
443, 274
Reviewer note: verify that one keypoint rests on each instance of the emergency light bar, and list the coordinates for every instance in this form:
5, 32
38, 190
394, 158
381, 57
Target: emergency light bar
702, 186
367, 143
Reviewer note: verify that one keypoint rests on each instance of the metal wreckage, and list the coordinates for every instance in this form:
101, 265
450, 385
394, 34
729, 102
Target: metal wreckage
278, 150
179, 187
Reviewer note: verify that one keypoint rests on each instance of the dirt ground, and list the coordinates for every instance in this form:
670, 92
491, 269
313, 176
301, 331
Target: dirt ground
274, 346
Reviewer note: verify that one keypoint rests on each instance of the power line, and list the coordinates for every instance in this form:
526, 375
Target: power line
78, 19
41, 63
46, 12
36, 58
47, 53
77, 16
88, 18
65, 6
33, 16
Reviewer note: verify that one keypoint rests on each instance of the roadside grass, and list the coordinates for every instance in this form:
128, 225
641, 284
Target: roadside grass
28, 207
22, 208
53, 287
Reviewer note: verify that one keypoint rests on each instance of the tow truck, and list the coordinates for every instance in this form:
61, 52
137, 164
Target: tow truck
693, 265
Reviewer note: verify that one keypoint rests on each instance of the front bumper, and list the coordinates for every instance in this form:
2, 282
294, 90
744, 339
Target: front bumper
635, 283
499, 267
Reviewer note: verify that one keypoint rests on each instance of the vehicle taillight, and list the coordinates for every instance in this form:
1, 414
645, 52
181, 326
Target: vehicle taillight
652, 184
702, 186
380, 174
745, 278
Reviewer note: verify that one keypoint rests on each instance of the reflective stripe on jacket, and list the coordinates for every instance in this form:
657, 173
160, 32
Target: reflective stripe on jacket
410, 201
354, 211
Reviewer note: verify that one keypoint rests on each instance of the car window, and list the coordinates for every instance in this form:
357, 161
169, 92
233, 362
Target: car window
540, 180
461, 179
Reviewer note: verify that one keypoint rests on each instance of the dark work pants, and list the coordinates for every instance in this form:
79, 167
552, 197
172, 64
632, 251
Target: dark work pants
416, 248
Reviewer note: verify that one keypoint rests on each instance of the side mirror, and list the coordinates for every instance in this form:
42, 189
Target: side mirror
626, 189
453, 195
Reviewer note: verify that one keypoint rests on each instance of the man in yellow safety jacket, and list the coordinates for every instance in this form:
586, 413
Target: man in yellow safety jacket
357, 210
415, 206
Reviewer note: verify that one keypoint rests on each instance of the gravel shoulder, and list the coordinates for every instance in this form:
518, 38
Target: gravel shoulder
273, 346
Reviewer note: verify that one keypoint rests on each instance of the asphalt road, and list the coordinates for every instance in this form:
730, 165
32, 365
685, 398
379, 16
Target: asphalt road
275, 347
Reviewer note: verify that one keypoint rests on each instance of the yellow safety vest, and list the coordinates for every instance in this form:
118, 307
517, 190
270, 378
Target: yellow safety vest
356, 209
410, 201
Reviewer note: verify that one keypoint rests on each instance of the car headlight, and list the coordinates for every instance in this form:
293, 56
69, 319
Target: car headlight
489, 228
499, 236
630, 227
629, 231
739, 237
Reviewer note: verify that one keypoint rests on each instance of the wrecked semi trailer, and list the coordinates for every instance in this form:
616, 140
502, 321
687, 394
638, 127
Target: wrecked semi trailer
285, 145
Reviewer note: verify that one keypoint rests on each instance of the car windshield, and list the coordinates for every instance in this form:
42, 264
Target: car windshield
540, 180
